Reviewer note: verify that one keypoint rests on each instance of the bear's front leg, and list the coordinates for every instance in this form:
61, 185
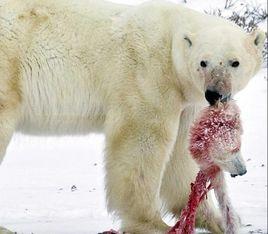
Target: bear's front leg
136, 154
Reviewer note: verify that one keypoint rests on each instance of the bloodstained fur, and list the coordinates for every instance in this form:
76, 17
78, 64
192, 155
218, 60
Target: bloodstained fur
216, 131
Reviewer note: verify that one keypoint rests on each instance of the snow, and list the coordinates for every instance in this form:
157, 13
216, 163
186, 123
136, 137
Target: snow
37, 175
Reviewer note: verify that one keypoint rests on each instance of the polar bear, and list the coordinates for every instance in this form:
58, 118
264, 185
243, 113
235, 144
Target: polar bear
137, 74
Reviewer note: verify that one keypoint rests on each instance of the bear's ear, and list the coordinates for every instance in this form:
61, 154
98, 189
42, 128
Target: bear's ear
190, 43
258, 37
189, 39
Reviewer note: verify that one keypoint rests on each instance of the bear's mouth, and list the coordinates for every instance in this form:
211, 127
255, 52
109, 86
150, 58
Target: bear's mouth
226, 98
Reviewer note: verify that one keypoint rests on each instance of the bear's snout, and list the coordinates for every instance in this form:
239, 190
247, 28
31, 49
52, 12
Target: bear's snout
218, 85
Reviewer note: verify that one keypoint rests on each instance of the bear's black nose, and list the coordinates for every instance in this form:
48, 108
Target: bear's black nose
212, 96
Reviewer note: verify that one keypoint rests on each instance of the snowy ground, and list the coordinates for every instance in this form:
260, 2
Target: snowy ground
55, 185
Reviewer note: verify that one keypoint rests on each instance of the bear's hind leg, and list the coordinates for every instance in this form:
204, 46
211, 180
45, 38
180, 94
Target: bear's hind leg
5, 231
10, 100
9, 106
7, 127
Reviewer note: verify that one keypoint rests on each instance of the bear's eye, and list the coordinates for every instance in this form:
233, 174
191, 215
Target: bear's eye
203, 63
235, 63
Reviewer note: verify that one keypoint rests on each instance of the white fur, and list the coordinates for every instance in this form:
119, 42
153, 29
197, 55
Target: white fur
72, 66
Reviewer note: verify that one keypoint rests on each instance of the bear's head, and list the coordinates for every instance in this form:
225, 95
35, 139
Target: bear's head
217, 62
